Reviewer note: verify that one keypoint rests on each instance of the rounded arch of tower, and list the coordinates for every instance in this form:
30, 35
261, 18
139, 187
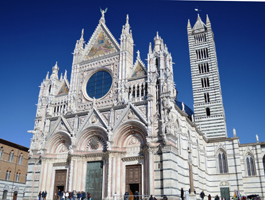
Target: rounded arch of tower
129, 129
92, 138
58, 143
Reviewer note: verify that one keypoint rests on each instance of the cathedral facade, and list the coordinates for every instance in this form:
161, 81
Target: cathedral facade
118, 127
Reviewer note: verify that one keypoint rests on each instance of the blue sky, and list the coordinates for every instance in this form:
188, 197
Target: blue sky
36, 34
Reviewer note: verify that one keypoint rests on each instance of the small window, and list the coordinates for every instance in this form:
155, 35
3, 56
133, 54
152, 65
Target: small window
206, 97
250, 166
17, 177
208, 112
20, 159
11, 156
1, 153
8, 175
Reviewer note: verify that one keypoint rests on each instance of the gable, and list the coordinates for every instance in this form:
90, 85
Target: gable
102, 46
139, 71
64, 89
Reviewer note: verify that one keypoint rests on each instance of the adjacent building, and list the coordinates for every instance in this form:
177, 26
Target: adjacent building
117, 126
13, 170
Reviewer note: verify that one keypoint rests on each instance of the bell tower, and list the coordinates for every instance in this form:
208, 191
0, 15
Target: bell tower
207, 96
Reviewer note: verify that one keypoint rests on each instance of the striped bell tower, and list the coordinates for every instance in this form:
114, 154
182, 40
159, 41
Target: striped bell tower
207, 96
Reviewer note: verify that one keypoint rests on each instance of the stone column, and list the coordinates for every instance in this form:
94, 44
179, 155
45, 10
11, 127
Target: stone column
192, 196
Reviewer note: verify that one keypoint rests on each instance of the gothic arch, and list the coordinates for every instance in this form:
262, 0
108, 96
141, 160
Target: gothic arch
127, 129
92, 138
250, 164
58, 143
221, 161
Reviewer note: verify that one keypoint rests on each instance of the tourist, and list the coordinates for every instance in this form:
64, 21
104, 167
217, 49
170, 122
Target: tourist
202, 195
182, 194
209, 197
42, 194
126, 195
63, 195
39, 195
136, 195
78, 195
83, 195
58, 194
89, 196
151, 198
66, 195
45, 195
216, 197
164, 197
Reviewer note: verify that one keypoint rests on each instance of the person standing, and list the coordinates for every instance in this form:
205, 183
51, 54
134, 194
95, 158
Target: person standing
126, 195
182, 194
136, 195
66, 195
45, 195
209, 197
58, 194
202, 195
39, 195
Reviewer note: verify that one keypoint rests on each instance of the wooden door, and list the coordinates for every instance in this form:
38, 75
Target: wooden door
94, 179
133, 179
59, 182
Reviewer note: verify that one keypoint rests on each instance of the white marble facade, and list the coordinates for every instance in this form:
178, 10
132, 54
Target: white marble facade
137, 122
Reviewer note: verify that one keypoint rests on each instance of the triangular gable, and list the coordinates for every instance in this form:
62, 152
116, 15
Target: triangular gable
61, 125
131, 112
139, 71
101, 43
64, 89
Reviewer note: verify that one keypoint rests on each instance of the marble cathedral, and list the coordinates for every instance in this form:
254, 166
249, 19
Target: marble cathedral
117, 125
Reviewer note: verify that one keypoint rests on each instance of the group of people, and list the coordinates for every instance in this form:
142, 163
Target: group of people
66, 195
42, 195
202, 195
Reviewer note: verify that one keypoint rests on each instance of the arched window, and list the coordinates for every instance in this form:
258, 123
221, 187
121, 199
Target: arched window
250, 166
208, 113
1, 153
222, 162
8, 175
17, 176
20, 159
11, 156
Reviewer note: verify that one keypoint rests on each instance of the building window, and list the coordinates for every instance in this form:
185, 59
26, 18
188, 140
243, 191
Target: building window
11, 156
4, 194
222, 162
8, 175
199, 38
250, 166
202, 54
208, 113
1, 153
20, 159
206, 97
205, 82
203, 68
17, 177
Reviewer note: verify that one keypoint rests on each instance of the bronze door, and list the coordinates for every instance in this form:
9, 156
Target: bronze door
94, 179
59, 182
133, 179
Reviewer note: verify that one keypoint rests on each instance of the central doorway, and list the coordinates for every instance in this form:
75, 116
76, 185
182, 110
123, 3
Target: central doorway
94, 179
133, 180
59, 182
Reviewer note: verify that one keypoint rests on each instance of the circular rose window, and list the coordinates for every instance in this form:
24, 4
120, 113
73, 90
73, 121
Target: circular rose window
99, 84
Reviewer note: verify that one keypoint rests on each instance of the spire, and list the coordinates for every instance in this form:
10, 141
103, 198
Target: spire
55, 70
189, 27
150, 47
47, 76
208, 23
138, 55
199, 26
82, 35
127, 25
61, 78
65, 74
158, 42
